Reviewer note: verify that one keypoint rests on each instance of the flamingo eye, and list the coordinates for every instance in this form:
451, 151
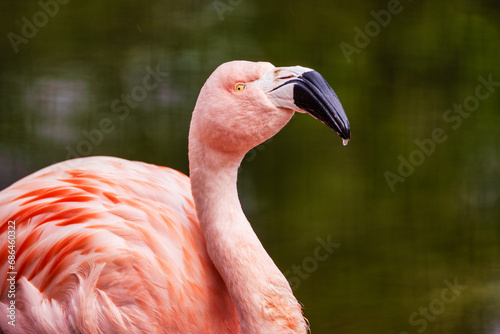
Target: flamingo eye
239, 87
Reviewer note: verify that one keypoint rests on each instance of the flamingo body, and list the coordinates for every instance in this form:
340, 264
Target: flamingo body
115, 239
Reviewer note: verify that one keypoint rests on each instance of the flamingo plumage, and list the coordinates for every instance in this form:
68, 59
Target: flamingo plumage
107, 245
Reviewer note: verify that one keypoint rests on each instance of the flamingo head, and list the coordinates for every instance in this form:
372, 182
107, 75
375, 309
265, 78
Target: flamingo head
243, 103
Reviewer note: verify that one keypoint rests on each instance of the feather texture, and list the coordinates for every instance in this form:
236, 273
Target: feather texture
105, 247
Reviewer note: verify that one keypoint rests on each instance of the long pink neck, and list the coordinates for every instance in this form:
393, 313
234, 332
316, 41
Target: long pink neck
260, 292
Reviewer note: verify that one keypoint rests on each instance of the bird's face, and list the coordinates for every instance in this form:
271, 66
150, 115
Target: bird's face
242, 104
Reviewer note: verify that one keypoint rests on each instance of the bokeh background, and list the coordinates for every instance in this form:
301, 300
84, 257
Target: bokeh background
398, 247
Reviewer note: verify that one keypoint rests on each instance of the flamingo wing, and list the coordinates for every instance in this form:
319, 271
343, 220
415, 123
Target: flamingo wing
106, 245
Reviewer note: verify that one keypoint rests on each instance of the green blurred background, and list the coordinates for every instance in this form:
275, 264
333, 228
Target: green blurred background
397, 247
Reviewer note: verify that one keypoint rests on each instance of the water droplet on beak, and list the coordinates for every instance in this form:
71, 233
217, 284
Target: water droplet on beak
345, 141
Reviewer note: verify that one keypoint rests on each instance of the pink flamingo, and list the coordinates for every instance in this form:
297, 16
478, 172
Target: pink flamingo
114, 246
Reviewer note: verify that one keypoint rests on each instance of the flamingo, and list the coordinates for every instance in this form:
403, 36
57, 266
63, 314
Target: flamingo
107, 245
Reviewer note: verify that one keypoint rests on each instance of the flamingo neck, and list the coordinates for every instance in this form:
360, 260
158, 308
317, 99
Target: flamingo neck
260, 292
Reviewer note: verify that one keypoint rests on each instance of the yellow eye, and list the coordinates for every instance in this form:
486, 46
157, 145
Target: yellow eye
239, 87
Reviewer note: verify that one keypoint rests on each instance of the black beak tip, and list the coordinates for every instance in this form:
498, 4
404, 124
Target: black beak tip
346, 133
313, 94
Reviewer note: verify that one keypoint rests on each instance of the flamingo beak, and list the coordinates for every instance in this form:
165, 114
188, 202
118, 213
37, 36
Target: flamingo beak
305, 90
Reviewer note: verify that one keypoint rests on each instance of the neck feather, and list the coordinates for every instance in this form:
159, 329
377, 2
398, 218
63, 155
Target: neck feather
260, 292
